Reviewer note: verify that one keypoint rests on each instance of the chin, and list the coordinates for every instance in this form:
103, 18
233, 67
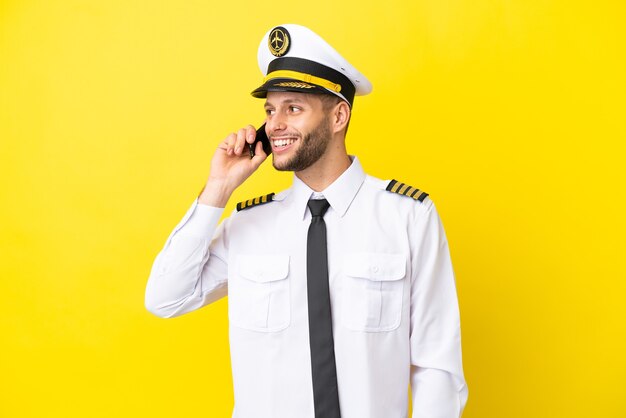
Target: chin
282, 164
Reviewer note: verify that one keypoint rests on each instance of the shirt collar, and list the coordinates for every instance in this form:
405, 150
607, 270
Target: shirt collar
339, 193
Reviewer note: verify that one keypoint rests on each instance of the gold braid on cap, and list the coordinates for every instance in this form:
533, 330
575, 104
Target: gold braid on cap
307, 78
294, 84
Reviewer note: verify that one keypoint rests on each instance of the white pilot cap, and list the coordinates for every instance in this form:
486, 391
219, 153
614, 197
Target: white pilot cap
294, 58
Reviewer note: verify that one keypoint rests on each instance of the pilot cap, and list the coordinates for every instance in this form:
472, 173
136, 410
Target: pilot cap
294, 58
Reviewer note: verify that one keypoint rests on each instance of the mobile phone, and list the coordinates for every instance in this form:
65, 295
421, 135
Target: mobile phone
261, 136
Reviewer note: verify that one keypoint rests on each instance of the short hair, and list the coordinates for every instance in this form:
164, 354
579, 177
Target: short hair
331, 100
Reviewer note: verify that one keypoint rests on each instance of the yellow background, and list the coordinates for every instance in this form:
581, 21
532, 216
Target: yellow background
510, 113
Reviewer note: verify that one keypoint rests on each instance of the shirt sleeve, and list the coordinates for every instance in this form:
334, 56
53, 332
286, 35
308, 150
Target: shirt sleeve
438, 385
191, 270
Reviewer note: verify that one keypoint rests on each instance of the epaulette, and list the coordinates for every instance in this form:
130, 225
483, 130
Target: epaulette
395, 186
246, 204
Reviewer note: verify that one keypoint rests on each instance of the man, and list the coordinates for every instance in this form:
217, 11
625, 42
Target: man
341, 291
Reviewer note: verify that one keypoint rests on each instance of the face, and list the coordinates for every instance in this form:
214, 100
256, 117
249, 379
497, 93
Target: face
298, 128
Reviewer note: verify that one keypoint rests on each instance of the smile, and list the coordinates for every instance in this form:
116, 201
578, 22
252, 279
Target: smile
281, 143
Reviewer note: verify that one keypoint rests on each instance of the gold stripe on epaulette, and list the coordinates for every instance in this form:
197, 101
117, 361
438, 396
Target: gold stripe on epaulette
254, 202
395, 186
421, 197
414, 193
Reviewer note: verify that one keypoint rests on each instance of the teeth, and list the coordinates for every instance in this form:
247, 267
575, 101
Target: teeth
283, 142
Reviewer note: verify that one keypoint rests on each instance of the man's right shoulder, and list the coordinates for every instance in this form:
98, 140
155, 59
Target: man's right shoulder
254, 202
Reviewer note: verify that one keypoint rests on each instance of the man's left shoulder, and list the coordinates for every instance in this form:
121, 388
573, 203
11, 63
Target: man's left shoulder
403, 191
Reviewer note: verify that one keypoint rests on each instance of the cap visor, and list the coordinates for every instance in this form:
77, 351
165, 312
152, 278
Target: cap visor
288, 84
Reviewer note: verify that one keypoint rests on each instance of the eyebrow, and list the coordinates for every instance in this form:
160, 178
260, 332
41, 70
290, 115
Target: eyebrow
286, 101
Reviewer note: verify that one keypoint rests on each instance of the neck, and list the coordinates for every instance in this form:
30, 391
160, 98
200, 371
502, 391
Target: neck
328, 168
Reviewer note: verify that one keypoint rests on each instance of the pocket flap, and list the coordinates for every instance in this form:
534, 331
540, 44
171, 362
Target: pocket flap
375, 266
263, 268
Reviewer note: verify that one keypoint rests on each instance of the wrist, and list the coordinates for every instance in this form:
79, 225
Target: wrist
215, 193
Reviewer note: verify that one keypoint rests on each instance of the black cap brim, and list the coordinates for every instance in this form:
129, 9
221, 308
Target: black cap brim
288, 84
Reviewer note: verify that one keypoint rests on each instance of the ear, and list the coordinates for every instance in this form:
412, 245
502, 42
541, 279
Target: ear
341, 116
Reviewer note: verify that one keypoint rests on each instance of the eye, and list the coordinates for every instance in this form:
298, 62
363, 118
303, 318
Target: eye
294, 109
269, 112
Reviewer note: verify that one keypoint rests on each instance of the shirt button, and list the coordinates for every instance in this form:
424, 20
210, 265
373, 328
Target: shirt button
375, 269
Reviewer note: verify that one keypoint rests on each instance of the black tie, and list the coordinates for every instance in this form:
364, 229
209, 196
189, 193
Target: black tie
325, 394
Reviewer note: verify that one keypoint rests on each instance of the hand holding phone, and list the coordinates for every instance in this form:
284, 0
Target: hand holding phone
229, 168
261, 136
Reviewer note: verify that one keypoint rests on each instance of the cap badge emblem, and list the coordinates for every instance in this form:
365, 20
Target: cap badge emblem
279, 41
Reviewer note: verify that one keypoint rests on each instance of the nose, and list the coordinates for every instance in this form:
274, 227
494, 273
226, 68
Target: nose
275, 122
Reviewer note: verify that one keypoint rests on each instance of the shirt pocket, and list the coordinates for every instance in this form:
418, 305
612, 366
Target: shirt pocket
258, 293
372, 291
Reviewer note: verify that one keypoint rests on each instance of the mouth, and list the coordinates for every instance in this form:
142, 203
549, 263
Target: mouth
282, 143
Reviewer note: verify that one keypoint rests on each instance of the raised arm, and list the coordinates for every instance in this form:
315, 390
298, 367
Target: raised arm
191, 269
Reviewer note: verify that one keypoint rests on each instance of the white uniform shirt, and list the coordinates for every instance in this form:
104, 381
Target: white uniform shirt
394, 306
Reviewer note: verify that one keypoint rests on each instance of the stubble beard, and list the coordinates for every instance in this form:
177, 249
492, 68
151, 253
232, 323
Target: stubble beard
312, 146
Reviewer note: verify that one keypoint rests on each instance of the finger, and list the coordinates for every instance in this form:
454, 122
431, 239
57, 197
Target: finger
241, 140
223, 145
230, 140
250, 134
259, 155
